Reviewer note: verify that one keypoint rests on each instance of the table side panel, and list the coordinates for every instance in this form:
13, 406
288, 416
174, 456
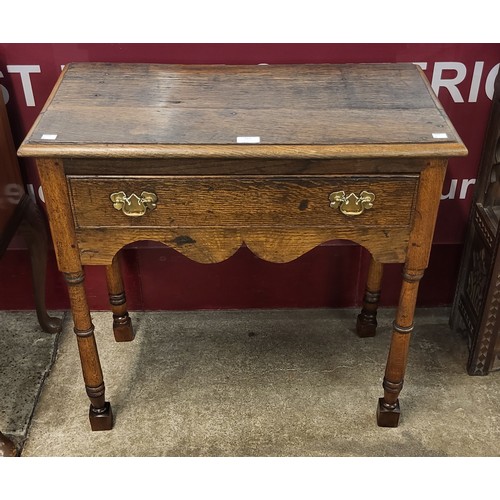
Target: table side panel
209, 218
211, 245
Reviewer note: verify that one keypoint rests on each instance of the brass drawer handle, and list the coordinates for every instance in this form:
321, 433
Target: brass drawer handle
133, 205
351, 204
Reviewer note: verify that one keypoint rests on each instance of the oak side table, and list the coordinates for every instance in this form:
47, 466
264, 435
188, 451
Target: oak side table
205, 158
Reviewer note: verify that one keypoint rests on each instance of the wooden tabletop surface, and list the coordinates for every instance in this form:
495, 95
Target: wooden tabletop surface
108, 109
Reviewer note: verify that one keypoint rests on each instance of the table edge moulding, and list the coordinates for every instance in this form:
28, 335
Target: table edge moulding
204, 158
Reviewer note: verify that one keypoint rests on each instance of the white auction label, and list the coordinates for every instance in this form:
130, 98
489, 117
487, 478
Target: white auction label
440, 135
248, 140
49, 137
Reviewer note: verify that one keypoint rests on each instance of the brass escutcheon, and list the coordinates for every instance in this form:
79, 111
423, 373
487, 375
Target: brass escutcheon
133, 205
351, 204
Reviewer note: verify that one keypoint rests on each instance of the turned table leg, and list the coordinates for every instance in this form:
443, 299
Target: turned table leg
122, 325
34, 232
100, 414
417, 259
366, 325
7, 448
69, 263
388, 407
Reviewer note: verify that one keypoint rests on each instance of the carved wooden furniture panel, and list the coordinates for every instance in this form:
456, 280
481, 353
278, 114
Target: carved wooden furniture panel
476, 307
206, 158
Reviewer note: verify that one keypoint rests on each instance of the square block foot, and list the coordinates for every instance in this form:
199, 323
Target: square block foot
101, 421
124, 331
387, 417
364, 328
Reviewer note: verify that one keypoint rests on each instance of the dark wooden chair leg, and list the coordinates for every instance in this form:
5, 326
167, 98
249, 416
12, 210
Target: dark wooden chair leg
33, 229
366, 325
122, 325
7, 448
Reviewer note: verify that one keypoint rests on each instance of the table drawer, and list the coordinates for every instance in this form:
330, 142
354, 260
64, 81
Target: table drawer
160, 201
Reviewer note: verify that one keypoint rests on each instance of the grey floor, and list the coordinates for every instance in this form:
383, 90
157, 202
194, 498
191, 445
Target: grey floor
254, 383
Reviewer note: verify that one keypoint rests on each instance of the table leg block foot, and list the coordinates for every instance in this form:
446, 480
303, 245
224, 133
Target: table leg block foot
101, 420
365, 327
123, 329
387, 417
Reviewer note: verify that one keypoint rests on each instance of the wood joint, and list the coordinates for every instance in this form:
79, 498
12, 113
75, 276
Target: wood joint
402, 329
95, 392
84, 333
73, 279
121, 319
117, 299
371, 297
392, 387
413, 277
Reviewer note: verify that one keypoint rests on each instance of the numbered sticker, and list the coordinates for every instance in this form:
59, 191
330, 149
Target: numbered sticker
248, 140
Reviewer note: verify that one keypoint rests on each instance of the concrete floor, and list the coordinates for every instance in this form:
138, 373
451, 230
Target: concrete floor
249, 383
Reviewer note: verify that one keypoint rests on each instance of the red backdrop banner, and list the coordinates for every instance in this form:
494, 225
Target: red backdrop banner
461, 75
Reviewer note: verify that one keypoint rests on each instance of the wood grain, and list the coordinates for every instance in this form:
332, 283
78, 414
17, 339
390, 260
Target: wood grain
164, 108
211, 245
419, 246
68, 260
172, 130
366, 324
122, 324
242, 201
242, 166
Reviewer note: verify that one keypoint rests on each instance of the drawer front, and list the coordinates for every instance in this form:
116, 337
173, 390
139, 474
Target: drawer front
236, 202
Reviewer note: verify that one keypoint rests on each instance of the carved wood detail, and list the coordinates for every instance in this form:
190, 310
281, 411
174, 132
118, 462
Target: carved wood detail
481, 356
477, 278
476, 303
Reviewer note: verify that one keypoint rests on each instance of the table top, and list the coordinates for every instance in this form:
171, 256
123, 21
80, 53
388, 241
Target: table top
326, 110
